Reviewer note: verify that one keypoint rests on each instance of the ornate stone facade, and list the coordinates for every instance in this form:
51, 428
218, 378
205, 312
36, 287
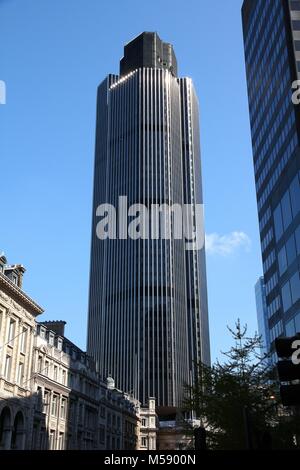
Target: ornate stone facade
74, 408
17, 329
148, 427
51, 396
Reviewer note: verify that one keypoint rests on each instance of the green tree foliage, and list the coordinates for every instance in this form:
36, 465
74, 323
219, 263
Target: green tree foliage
237, 400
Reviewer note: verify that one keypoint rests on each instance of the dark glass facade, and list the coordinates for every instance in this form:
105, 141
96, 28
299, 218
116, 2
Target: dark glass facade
148, 318
262, 315
270, 41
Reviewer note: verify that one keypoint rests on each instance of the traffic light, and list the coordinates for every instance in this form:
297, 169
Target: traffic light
290, 395
289, 369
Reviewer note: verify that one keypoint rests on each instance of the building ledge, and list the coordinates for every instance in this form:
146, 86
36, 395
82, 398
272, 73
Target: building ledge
11, 289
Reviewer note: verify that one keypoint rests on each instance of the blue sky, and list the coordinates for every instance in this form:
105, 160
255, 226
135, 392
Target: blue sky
54, 53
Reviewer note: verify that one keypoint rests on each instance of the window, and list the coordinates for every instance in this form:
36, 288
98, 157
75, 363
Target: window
290, 328
102, 412
286, 210
278, 222
20, 373
38, 406
51, 339
152, 404
63, 408
102, 434
276, 331
52, 440
295, 287
297, 236
144, 422
291, 250
61, 441
54, 405
80, 413
286, 296
64, 377
40, 364
11, 332
46, 371
282, 261
23, 340
295, 196
7, 368
144, 442
42, 332
46, 401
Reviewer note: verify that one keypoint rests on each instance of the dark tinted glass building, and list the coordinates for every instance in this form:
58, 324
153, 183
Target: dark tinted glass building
148, 318
271, 39
262, 315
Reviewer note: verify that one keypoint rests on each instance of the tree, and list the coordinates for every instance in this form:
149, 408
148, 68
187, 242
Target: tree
237, 401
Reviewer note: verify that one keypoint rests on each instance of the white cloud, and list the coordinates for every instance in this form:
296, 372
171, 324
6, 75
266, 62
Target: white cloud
224, 245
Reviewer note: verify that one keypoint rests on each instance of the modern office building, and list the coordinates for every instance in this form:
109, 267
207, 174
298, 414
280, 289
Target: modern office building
272, 53
262, 315
148, 318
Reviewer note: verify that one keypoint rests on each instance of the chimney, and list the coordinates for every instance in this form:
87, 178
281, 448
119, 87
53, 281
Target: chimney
15, 273
3, 262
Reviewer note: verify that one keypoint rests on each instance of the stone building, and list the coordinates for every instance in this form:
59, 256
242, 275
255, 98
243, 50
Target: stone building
119, 418
51, 395
148, 427
73, 408
67, 386
17, 330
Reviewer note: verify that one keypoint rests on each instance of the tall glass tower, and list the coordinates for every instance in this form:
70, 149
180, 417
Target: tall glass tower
148, 319
272, 53
262, 315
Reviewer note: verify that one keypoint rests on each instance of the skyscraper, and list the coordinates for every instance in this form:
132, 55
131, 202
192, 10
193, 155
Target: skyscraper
272, 54
262, 315
148, 319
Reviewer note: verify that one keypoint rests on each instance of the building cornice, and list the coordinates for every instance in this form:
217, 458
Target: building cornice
14, 291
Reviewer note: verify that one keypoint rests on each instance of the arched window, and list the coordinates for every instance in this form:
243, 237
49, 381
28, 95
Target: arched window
5, 428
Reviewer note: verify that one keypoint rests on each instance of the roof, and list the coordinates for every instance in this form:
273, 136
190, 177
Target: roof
19, 295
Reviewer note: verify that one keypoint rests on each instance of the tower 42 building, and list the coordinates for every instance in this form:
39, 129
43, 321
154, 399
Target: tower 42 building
148, 318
